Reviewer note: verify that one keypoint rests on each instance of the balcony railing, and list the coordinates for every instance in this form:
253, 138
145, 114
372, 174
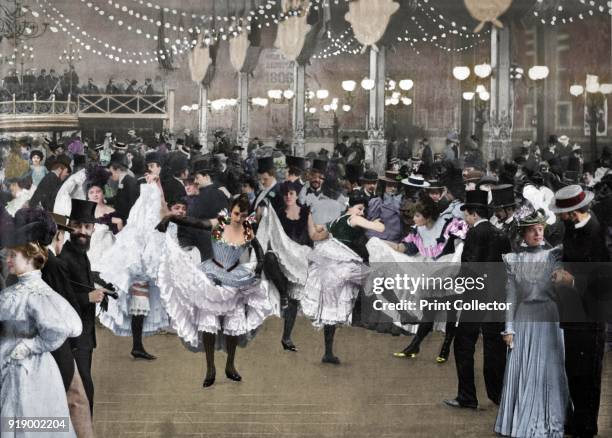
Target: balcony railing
90, 106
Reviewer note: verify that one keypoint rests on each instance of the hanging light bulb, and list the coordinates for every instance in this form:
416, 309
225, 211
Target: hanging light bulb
322, 94
461, 73
367, 84
576, 90
592, 84
349, 86
312, 110
484, 96
288, 94
406, 84
406, 101
482, 70
480, 88
468, 95
346, 108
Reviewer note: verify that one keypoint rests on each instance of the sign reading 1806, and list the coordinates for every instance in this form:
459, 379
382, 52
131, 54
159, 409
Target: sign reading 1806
278, 69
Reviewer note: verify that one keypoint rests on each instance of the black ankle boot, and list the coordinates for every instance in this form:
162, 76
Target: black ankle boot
138, 351
411, 350
328, 357
210, 377
445, 350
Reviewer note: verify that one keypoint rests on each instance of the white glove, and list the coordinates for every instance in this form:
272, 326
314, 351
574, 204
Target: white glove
20, 352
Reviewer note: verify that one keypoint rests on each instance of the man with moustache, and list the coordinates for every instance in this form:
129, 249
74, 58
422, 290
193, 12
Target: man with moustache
312, 189
74, 256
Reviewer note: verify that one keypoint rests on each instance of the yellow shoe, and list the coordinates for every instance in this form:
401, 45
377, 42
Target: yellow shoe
404, 355
441, 359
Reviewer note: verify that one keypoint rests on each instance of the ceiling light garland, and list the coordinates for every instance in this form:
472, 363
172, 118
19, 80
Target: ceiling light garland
344, 44
592, 8
443, 23
82, 34
433, 39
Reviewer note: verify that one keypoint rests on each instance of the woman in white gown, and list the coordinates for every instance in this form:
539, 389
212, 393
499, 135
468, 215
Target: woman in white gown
35, 320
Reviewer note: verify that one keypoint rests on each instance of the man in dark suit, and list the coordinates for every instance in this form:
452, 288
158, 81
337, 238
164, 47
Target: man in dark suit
55, 274
80, 277
206, 205
173, 175
128, 187
46, 191
270, 189
483, 244
582, 300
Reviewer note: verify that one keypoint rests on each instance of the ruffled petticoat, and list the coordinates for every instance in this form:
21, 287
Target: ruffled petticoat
102, 240
335, 274
135, 258
196, 304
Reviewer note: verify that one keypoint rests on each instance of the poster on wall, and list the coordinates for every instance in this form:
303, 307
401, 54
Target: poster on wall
601, 117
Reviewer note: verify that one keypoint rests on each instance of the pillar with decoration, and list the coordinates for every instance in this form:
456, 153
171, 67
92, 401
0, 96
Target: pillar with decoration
369, 19
200, 63
501, 116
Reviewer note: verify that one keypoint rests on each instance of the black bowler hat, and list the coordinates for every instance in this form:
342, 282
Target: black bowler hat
475, 198
319, 165
119, 159
292, 161
265, 164
83, 211
202, 167
503, 196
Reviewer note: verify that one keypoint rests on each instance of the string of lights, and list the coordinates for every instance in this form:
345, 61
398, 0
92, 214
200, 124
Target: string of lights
560, 15
446, 25
85, 40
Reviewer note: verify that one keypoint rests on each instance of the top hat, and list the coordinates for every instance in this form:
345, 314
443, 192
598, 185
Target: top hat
475, 198
83, 211
154, 157
353, 172
503, 196
292, 161
319, 165
570, 198
488, 179
415, 181
202, 167
265, 164
119, 159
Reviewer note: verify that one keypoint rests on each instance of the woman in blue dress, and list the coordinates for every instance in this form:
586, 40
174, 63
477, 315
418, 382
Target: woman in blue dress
223, 295
35, 320
535, 395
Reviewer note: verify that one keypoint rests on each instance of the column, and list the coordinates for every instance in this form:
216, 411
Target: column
546, 51
376, 145
170, 111
501, 116
203, 119
299, 100
243, 112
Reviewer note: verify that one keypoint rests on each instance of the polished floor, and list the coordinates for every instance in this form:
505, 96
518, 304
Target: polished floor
286, 394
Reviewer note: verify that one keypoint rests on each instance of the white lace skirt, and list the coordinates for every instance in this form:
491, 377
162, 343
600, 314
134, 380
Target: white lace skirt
195, 304
335, 274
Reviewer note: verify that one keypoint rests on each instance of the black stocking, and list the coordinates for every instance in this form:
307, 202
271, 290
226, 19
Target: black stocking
290, 316
328, 333
231, 342
209, 350
137, 325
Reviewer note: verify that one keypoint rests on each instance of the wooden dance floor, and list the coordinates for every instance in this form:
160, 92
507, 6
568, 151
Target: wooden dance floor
286, 394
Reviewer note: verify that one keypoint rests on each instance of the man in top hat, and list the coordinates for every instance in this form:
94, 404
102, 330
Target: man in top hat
225, 175
352, 176
295, 169
128, 188
368, 184
80, 277
46, 192
504, 205
176, 171
312, 189
580, 301
270, 190
204, 206
483, 243
153, 162
386, 207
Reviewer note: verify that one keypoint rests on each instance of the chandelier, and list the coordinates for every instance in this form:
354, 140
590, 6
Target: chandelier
14, 23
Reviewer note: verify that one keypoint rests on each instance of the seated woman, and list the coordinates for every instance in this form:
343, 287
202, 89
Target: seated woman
35, 321
335, 271
536, 393
222, 296
432, 236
